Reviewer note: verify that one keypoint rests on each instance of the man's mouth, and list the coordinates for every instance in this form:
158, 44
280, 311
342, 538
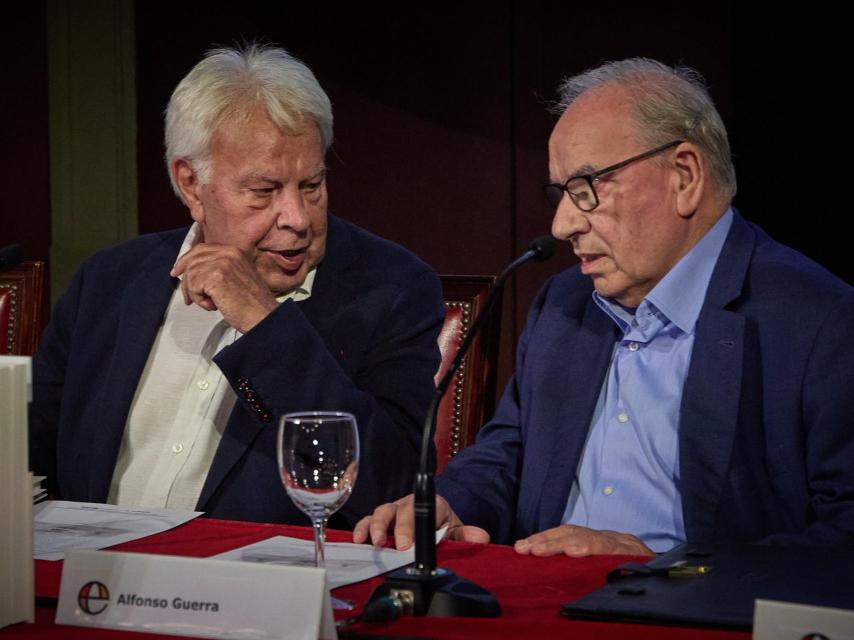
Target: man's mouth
589, 261
289, 259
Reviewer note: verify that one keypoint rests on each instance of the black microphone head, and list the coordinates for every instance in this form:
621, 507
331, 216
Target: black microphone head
543, 247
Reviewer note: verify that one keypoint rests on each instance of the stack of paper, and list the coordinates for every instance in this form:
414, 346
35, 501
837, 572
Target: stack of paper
39, 492
16, 494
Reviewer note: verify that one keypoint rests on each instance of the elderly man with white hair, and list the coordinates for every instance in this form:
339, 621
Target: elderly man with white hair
169, 358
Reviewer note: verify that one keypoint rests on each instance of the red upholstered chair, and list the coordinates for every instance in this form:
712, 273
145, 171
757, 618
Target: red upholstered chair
23, 307
470, 399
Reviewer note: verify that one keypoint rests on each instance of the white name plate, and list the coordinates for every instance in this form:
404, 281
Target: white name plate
773, 620
194, 596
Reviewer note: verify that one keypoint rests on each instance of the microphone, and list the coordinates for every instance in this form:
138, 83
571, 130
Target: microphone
542, 248
425, 589
10, 256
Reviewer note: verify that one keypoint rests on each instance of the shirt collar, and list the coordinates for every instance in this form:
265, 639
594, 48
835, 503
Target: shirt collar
621, 315
681, 292
301, 292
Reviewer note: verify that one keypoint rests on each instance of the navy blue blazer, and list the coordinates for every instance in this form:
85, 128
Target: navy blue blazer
364, 342
766, 427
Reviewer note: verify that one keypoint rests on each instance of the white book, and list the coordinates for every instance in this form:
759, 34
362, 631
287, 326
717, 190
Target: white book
16, 494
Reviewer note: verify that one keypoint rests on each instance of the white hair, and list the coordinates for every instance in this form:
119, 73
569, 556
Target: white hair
671, 103
233, 83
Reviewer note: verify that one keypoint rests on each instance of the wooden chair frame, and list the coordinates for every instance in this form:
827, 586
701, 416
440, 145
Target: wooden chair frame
470, 400
23, 309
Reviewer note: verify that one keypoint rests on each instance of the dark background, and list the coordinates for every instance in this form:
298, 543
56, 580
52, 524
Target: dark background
440, 118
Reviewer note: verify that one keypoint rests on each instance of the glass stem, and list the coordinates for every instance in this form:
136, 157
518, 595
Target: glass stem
319, 539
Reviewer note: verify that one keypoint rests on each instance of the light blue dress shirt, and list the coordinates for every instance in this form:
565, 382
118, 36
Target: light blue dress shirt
628, 478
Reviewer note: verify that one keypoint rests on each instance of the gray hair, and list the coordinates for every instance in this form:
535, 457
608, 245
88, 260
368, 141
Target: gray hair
231, 83
671, 103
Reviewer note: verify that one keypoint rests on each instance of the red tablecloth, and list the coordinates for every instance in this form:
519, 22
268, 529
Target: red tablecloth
529, 589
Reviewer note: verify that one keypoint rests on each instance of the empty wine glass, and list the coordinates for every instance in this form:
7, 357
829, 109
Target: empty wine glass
318, 454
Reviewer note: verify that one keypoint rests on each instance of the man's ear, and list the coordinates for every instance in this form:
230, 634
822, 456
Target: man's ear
690, 175
189, 185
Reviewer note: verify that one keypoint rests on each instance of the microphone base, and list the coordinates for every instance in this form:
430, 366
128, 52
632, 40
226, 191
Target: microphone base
441, 594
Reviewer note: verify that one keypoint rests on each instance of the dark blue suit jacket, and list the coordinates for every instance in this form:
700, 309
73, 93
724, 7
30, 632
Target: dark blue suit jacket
364, 342
766, 431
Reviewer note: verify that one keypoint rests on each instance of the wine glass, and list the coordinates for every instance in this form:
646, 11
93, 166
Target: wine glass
318, 454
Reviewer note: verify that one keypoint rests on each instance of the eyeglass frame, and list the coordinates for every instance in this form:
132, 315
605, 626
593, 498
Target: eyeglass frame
591, 178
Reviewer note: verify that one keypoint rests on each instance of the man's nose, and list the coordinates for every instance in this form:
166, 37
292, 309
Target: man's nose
291, 211
569, 220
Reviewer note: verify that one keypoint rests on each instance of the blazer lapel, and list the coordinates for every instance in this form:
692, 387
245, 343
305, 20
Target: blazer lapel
566, 408
334, 285
713, 388
239, 435
143, 305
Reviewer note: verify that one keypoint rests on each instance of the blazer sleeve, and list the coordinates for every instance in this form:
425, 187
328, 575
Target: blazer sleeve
290, 365
828, 432
482, 482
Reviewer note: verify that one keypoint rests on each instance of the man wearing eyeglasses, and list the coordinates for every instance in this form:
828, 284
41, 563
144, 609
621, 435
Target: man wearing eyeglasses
689, 380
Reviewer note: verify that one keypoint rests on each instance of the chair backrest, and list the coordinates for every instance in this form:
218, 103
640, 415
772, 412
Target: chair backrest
23, 307
470, 399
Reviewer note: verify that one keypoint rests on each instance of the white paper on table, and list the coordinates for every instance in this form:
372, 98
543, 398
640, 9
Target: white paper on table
346, 563
59, 526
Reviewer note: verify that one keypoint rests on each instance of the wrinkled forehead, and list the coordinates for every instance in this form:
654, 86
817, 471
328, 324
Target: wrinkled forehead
596, 130
259, 148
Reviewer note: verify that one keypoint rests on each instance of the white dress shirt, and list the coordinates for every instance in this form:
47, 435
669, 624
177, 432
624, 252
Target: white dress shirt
181, 406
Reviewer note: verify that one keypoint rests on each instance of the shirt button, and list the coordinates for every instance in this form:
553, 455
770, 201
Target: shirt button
608, 491
633, 346
177, 447
203, 384
623, 417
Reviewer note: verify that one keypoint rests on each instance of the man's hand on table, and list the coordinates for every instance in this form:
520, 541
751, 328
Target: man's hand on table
398, 517
572, 540
222, 277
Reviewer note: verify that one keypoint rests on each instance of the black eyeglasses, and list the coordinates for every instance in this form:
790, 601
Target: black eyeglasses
580, 188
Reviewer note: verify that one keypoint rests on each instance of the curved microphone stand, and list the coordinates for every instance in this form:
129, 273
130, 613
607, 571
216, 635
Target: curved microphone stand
424, 589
